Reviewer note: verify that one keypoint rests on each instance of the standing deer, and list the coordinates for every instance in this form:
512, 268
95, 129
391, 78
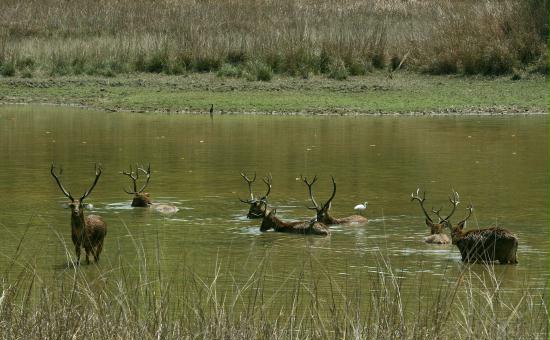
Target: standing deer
141, 199
484, 245
436, 229
270, 221
323, 215
257, 208
86, 232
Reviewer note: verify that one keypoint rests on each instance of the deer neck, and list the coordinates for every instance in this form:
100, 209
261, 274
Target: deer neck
78, 222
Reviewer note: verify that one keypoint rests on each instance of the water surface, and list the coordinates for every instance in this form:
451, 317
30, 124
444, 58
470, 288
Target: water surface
499, 164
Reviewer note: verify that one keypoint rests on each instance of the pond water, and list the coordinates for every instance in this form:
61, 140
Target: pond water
499, 164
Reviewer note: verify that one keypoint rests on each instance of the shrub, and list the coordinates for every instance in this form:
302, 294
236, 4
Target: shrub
236, 57
356, 68
258, 70
229, 70
338, 70
206, 64
157, 62
7, 69
378, 59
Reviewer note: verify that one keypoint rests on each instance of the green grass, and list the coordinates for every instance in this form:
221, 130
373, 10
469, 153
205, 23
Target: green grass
376, 93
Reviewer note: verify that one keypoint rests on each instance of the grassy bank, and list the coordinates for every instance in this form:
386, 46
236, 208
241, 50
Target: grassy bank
137, 300
255, 39
375, 93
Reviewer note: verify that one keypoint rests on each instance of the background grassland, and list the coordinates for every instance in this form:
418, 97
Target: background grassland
258, 38
374, 93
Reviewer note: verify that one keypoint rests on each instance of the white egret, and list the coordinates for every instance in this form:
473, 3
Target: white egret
361, 207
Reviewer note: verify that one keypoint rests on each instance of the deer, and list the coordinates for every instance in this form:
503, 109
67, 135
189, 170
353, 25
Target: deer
436, 229
271, 221
257, 208
86, 232
322, 211
484, 245
141, 198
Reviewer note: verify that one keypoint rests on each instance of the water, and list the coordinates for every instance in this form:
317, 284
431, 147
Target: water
500, 164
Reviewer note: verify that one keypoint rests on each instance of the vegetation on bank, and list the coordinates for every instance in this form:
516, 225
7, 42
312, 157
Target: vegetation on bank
374, 93
256, 39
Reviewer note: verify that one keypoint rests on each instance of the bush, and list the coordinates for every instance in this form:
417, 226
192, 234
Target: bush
259, 70
7, 69
356, 68
378, 59
157, 63
206, 64
236, 57
229, 70
338, 70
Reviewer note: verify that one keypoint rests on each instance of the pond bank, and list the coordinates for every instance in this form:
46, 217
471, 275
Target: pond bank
375, 93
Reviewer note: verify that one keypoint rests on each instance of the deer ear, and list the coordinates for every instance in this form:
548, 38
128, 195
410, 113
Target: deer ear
429, 223
87, 206
65, 205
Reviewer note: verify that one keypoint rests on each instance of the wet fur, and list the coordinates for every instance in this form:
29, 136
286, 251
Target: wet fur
486, 245
87, 233
270, 221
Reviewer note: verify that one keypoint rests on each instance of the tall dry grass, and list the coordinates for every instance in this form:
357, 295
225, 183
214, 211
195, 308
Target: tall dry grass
295, 37
137, 299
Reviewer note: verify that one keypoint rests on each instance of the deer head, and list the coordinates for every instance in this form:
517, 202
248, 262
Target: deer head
456, 231
321, 210
141, 199
436, 228
76, 206
257, 205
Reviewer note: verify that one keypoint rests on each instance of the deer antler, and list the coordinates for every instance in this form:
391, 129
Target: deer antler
455, 200
326, 206
436, 212
249, 181
98, 171
421, 201
65, 192
470, 208
134, 175
268, 180
309, 185
147, 174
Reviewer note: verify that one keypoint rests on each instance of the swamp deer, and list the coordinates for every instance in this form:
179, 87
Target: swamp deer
86, 232
311, 227
323, 210
436, 229
140, 199
257, 206
484, 245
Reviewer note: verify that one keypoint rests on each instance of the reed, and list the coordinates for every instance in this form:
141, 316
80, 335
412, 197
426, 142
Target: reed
139, 300
292, 37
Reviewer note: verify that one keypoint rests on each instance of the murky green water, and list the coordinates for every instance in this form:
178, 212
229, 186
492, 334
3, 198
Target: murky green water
500, 164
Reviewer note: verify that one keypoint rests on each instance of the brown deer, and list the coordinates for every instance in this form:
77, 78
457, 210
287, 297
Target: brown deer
322, 211
257, 208
86, 232
270, 221
436, 229
484, 245
140, 199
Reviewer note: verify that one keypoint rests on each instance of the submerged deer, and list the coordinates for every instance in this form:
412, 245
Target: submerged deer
484, 245
140, 199
257, 206
88, 232
311, 227
436, 229
323, 210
